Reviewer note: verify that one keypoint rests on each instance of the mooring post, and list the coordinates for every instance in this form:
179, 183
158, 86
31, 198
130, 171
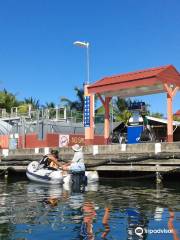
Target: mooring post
6, 174
158, 175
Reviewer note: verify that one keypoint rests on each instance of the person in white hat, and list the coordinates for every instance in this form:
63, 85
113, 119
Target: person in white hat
77, 163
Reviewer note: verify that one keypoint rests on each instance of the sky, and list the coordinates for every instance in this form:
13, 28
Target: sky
38, 58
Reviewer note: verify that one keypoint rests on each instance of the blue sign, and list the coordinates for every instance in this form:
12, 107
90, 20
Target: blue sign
87, 111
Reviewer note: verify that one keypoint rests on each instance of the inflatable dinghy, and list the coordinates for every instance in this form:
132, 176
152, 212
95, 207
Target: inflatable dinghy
35, 172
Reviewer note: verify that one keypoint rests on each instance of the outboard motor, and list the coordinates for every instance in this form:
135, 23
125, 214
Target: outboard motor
79, 181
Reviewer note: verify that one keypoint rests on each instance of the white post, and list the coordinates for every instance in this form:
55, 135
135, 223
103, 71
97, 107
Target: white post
29, 110
56, 113
65, 113
87, 63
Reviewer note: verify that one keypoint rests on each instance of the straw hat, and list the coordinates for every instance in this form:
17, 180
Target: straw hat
77, 148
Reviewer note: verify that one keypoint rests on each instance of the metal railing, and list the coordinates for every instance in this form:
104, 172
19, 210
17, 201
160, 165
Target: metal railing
55, 114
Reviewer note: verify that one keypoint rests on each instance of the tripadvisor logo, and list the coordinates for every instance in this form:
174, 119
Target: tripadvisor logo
139, 231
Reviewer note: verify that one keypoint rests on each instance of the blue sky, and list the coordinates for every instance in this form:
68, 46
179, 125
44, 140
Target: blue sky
38, 58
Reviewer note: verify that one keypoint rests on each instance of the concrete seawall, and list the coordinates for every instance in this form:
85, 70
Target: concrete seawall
144, 157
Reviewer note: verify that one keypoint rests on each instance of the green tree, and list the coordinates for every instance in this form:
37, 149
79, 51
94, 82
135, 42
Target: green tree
50, 105
120, 110
23, 108
8, 100
77, 105
176, 118
157, 115
51, 108
121, 104
34, 102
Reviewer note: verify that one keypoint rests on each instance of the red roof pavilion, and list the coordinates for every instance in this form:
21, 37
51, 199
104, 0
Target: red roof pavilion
139, 83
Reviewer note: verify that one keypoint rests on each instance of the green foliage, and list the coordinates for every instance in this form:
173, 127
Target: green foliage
100, 110
7, 100
120, 110
121, 104
34, 102
76, 105
157, 115
50, 105
176, 118
123, 116
23, 108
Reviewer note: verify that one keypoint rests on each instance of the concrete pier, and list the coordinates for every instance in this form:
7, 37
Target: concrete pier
144, 157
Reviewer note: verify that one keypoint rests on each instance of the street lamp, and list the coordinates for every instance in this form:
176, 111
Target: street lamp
85, 45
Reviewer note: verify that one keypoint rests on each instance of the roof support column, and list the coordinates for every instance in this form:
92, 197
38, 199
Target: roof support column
106, 120
170, 119
89, 130
171, 92
106, 117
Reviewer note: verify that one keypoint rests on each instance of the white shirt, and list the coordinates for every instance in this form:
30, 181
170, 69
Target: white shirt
78, 157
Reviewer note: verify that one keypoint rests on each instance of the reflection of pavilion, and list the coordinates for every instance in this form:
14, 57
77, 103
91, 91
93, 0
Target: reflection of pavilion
138, 205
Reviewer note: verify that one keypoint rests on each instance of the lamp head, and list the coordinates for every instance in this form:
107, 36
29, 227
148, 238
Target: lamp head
81, 44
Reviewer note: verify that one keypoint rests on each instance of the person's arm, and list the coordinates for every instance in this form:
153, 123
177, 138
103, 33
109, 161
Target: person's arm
68, 163
65, 167
54, 160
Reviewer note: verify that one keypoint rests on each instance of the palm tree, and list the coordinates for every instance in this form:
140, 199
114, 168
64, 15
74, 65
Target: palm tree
77, 105
122, 104
34, 102
23, 108
50, 105
8, 100
118, 107
50, 108
75, 108
120, 110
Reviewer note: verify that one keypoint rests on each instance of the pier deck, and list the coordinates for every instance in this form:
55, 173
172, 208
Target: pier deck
145, 157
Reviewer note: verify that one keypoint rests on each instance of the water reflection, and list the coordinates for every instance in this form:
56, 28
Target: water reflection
111, 210
89, 214
171, 224
105, 222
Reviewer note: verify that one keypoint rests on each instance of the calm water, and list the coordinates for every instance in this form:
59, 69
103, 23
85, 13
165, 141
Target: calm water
110, 210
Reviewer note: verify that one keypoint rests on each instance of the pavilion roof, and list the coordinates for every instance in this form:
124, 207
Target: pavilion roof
144, 82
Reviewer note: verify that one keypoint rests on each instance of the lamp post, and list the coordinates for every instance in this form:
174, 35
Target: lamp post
88, 101
85, 45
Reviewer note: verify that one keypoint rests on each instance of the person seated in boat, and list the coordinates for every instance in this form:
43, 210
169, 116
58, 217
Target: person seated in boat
51, 160
77, 163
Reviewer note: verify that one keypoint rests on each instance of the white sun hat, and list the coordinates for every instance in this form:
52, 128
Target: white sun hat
77, 148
